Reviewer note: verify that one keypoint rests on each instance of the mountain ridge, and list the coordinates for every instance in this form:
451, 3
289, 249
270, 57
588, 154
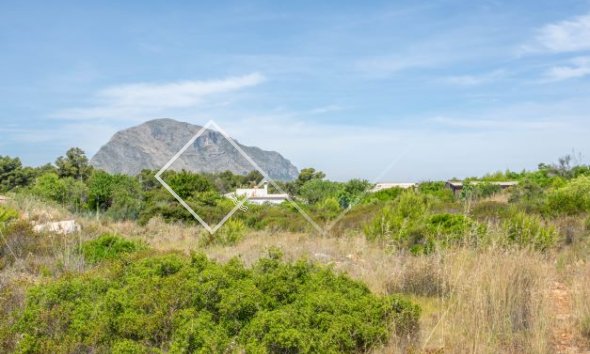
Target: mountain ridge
152, 144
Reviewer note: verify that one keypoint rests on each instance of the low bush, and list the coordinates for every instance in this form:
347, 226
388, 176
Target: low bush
571, 199
18, 241
453, 229
177, 304
409, 224
7, 215
585, 327
490, 210
229, 234
437, 190
529, 230
108, 247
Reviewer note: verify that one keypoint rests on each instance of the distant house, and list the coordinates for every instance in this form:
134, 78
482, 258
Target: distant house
387, 185
457, 186
258, 195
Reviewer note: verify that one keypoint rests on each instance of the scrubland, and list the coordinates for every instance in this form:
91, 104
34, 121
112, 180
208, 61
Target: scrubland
489, 298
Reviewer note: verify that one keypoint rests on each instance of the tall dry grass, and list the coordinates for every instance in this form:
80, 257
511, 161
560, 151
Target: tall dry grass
581, 301
488, 299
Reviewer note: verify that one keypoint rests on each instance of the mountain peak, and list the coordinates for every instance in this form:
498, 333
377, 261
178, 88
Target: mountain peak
152, 144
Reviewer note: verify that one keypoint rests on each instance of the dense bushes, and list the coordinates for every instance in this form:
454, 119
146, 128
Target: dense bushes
529, 230
573, 198
172, 303
108, 246
7, 215
409, 223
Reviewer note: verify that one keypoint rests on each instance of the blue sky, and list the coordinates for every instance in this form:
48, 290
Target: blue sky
386, 90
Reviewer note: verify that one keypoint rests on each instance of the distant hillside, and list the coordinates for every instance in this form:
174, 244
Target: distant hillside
152, 144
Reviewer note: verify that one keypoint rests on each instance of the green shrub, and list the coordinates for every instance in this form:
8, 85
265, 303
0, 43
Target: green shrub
7, 215
67, 191
529, 195
229, 234
490, 210
573, 198
452, 229
401, 224
108, 247
585, 326
18, 241
182, 305
119, 193
437, 190
528, 230
383, 195
329, 208
317, 190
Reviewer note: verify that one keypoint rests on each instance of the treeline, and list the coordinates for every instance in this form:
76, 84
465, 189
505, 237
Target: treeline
416, 219
77, 186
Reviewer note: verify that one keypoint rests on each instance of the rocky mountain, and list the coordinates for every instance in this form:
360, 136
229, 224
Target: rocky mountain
152, 144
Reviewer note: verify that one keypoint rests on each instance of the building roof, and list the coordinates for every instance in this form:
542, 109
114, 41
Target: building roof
386, 185
270, 197
459, 184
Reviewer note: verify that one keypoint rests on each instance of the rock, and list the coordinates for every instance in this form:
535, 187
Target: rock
62, 227
152, 144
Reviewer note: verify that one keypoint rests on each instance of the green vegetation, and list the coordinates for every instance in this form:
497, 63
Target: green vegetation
421, 220
108, 247
99, 291
179, 304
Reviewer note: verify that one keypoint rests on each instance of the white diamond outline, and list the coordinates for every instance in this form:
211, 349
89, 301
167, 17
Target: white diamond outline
213, 229
374, 181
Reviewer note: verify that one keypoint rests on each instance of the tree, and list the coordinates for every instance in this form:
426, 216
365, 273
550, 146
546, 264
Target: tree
353, 192
571, 199
305, 175
67, 191
187, 184
120, 194
13, 175
317, 190
74, 164
252, 178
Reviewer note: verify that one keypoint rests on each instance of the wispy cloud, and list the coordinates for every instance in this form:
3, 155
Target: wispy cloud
139, 99
388, 65
474, 80
578, 67
326, 109
501, 124
565, 36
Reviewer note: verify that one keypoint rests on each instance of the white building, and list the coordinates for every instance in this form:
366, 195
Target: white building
258, 195
386, 185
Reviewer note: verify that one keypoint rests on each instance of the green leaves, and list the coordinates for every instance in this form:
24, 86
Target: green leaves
108, 247
177, 304
74, 164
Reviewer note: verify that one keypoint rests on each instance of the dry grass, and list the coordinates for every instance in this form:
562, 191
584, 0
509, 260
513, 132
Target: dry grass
486, 300
581, 301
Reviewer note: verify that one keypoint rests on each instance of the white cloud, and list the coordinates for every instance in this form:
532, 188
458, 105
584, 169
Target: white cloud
141, 99
565, 36
388, 65
326, 109
344, 151
578, 67
474, 80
